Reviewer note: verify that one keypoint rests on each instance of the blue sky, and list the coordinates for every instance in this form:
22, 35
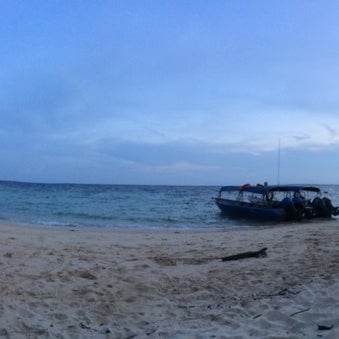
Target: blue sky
169, 92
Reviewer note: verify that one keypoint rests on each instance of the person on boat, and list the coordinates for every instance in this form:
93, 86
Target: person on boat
300, 203
298, 200
292, 213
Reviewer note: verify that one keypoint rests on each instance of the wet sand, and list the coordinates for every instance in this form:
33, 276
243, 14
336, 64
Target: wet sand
71, 283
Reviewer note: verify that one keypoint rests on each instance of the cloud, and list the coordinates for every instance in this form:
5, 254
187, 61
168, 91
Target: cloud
92, 89
333, 132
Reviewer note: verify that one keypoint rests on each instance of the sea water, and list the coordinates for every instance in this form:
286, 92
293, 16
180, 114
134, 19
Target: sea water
118, 206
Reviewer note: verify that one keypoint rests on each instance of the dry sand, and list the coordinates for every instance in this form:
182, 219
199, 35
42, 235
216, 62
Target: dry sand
70, 283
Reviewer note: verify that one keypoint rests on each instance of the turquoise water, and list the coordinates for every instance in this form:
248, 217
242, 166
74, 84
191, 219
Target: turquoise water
117, 206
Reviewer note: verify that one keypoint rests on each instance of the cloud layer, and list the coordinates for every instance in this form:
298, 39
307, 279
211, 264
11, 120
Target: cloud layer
187, 93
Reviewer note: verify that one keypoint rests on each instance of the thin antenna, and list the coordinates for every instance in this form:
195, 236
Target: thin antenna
279, 163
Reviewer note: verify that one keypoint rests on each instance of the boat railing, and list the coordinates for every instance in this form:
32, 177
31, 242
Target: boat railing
255, 199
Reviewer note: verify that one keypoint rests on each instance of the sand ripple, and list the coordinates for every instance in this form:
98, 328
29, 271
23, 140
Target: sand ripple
72, 284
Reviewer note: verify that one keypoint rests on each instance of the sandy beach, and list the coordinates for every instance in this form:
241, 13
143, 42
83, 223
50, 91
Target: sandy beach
71, 283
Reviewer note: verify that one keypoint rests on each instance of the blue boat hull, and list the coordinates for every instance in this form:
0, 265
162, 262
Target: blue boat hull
251, 211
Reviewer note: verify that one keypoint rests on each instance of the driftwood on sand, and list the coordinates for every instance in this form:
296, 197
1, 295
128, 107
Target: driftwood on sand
249, 254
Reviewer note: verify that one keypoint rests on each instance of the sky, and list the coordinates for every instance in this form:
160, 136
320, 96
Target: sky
175, 92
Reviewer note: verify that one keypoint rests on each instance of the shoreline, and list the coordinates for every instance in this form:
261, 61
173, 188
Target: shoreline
239, 225
169, 283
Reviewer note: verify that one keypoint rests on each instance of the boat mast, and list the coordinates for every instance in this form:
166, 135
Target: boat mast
278, 177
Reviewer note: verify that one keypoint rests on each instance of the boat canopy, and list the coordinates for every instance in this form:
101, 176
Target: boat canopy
265, 189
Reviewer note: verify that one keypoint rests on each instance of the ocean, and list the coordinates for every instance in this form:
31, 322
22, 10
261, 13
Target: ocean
118, 206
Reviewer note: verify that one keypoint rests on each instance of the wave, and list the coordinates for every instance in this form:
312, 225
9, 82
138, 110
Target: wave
115, 206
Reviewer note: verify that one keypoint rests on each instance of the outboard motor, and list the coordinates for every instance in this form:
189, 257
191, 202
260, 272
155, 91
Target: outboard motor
329, 207
324, 207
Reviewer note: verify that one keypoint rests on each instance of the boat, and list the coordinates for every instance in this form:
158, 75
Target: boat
274, 203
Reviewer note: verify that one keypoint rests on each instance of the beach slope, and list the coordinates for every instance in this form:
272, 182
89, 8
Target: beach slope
72, 283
